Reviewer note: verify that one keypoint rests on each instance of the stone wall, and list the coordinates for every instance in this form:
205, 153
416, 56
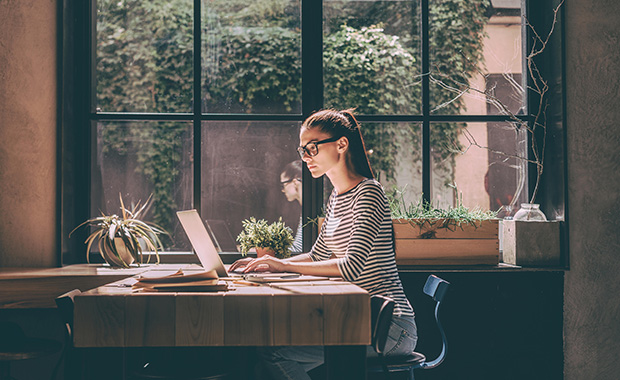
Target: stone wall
592, 310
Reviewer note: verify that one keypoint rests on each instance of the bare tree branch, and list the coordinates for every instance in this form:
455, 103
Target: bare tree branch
538, 87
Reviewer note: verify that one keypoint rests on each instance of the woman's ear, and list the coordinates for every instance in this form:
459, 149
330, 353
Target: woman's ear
342, 144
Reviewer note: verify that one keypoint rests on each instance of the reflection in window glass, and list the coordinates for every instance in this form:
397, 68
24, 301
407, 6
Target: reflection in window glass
470, 41
487, 165
142, 159
371, 56
144, 55
242, 166
400, 171
251, 59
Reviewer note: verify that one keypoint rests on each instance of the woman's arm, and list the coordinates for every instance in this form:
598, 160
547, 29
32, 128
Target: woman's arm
297, 264
303, 257
241, 264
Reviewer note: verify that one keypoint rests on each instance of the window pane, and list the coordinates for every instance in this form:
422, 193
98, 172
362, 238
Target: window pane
251, 59
395, 156
371, 56
472, 44
144, 56
242, 165
484, 161
140, 159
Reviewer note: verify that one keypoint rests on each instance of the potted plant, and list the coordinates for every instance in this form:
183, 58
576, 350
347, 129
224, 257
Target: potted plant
122, 239
272, 239
427, 235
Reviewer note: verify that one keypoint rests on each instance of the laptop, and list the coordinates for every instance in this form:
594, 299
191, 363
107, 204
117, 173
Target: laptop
201, 242
207, 253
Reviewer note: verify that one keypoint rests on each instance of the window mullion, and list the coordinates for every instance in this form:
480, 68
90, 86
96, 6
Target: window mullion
312, 100
197, 108
426, 136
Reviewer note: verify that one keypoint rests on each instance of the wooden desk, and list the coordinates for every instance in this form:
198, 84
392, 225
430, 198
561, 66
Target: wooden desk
35, 288
331, 313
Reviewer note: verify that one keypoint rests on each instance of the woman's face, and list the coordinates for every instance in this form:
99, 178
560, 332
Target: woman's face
328, 155
289, 187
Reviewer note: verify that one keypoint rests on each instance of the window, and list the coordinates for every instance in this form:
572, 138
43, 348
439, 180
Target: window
198, 103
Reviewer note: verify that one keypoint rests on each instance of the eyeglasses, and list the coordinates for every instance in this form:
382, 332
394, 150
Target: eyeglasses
284, 183
312, 149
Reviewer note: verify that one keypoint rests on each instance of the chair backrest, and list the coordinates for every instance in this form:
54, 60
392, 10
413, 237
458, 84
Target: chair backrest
436, 288
381, 309
381, 318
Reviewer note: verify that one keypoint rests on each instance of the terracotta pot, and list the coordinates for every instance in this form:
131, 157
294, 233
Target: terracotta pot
260, 252
123, 252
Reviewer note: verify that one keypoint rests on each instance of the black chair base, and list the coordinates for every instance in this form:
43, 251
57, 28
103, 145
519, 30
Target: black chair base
395, 363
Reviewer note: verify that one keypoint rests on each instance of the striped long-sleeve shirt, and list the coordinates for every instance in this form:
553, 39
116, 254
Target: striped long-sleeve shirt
297, 246
358, 232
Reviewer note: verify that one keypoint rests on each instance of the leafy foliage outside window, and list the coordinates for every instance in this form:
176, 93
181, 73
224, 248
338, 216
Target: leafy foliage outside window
144, 64
145, 58
258, 67
373, 72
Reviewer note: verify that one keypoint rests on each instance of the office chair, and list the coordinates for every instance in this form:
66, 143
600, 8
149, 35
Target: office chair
381, 313
15, 345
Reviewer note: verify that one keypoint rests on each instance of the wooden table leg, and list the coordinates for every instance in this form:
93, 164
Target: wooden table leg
345, 362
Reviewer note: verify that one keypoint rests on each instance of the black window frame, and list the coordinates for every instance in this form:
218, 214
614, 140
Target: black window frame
78, 115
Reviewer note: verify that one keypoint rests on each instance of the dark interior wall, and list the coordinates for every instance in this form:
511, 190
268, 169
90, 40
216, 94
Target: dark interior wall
27, 133
592, 310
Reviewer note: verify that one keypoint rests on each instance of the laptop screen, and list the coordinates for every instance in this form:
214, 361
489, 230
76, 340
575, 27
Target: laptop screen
201, 241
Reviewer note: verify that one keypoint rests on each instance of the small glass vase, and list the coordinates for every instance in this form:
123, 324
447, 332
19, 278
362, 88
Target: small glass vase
530, 212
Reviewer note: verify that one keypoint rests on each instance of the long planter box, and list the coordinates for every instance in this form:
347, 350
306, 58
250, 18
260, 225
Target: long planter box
438, 243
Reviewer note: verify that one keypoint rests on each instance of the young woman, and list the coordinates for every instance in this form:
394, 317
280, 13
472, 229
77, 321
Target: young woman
290, 180
357, 231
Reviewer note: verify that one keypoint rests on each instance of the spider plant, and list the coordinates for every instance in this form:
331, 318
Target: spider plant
119, 237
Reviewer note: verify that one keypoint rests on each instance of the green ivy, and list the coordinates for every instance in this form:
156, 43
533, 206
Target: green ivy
371, 71
252, 61
256, 66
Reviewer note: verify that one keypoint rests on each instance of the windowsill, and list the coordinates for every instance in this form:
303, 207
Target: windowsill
180, 257
501, 267
230, 257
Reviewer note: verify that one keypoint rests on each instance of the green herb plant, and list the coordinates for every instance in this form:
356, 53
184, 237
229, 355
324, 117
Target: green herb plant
261, 234
424, 214
130, 229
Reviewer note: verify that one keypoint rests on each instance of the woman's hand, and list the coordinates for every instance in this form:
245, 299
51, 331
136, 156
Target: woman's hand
265, 264
240, 264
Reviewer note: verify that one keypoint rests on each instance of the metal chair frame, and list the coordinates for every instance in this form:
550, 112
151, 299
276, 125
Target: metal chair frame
382, 310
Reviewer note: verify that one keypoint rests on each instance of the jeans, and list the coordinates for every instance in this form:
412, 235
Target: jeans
293, 363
